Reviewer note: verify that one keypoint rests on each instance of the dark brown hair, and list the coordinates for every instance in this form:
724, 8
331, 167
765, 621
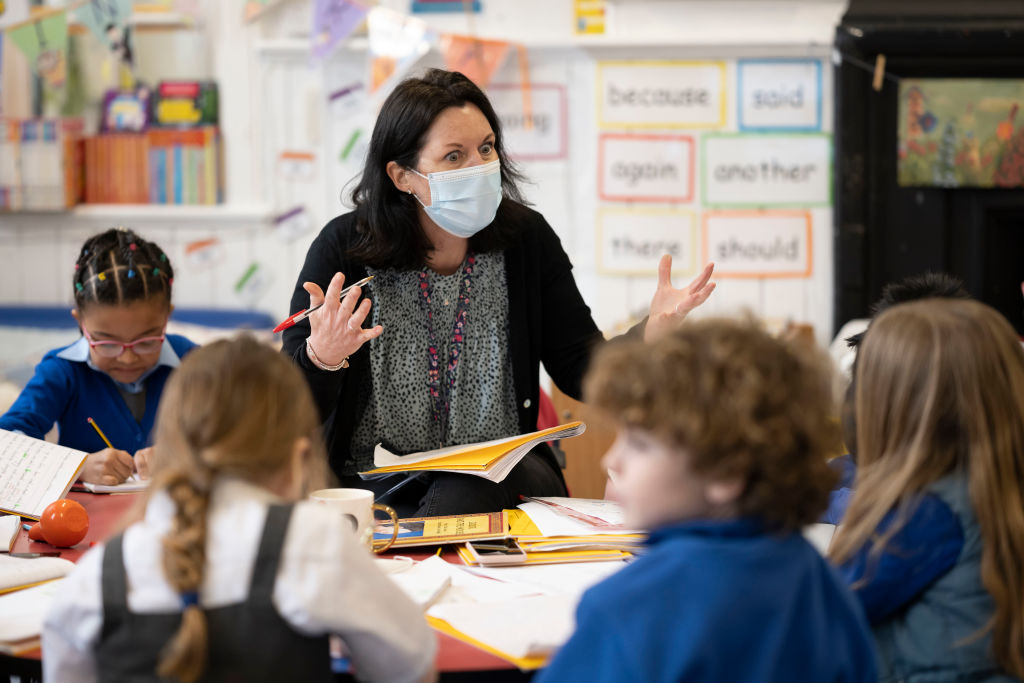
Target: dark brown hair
742, 403
117, 267
390, 235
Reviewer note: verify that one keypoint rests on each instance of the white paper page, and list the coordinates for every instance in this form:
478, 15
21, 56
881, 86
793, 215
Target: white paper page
606, 510
467, 586
9, 525
19, 571
570, 579
34, 473
551, 523
382, 457
820, 536
129, 485
424, 582
25, 610
528, 626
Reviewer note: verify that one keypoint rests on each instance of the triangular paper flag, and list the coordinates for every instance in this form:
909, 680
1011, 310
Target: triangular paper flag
254, 9
44, 40
396, 42
333, 22
102, 15
476, 59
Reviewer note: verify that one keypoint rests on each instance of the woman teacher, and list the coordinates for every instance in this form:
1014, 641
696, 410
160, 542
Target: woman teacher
472, 291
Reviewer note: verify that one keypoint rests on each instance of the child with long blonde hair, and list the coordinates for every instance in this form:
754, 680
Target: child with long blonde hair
226, 576
933, 541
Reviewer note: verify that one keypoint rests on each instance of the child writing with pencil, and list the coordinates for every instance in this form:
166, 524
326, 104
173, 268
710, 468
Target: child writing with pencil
227, 577
723, 432
102, 391
933, 540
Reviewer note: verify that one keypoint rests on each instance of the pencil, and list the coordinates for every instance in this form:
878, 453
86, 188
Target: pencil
100, 432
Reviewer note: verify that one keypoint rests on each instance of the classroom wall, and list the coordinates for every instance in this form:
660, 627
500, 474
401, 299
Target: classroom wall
290, 152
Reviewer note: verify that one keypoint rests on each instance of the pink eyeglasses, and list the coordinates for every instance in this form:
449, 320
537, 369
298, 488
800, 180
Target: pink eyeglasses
112, 349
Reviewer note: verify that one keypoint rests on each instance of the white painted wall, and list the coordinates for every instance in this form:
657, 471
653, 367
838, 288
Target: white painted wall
273, 98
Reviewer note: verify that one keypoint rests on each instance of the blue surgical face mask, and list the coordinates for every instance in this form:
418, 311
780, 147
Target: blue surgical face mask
465, 200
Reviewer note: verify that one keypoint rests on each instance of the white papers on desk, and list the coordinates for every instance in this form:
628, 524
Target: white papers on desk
424, 582
9, 526
524, 627
23, 613
130, 485
551, 523
16, 572
520, 611
554, 579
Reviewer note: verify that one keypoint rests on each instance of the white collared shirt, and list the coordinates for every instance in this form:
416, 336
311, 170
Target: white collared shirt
326, 583
79, 353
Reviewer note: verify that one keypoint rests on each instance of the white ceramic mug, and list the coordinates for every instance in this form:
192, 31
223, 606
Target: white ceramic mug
357, 506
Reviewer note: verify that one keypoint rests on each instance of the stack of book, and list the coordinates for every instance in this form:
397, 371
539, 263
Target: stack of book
116, 170
40, 164
184, 166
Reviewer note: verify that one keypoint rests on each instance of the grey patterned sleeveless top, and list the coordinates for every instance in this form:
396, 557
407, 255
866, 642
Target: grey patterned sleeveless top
397, 409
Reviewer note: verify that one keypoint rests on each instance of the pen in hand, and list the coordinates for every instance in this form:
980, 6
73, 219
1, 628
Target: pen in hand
303, 314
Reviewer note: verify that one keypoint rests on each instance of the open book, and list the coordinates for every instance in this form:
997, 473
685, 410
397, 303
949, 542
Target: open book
492, 460
34, 473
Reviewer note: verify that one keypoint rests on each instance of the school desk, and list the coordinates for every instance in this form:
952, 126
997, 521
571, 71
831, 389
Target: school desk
457, 661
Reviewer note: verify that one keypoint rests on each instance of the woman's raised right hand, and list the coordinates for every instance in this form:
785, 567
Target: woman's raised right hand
336, 329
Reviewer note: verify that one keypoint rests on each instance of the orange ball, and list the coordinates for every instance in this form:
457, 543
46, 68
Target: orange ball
64, 523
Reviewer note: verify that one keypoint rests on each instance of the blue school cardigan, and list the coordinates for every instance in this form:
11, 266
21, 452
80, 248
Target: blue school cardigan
719, 601
68, 392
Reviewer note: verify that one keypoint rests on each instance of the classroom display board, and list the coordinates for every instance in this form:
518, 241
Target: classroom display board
723, 160
760, 149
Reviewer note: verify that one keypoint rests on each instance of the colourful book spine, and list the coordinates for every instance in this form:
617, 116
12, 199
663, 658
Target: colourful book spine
210, 166
178, 172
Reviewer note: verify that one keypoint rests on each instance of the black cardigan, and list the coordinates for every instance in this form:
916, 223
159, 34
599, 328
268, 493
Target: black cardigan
549, 323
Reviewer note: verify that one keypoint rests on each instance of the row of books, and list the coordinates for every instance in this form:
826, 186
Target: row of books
156, 167
40, 164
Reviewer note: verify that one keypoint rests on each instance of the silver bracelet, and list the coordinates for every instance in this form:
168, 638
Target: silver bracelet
311, 354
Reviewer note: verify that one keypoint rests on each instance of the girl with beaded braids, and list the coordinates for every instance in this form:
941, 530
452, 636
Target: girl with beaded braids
116, 371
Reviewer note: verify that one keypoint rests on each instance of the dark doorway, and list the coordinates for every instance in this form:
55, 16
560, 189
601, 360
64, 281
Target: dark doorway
884, 232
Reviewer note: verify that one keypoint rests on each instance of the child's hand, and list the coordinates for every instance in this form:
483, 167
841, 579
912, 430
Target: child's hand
142, 459
108, 467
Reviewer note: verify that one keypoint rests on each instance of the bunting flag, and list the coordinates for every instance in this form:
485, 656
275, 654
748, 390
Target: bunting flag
396, 43
254, 9
477, 59
107, 19
333, 22
44, 40
13, 12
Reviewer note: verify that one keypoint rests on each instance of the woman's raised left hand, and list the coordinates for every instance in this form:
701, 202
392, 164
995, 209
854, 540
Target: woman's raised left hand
670, 305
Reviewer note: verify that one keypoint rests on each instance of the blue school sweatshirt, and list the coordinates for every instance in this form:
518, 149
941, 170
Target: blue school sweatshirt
719, 601
66, 390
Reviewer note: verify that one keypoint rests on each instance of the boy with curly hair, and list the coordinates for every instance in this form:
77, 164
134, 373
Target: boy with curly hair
723, 435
